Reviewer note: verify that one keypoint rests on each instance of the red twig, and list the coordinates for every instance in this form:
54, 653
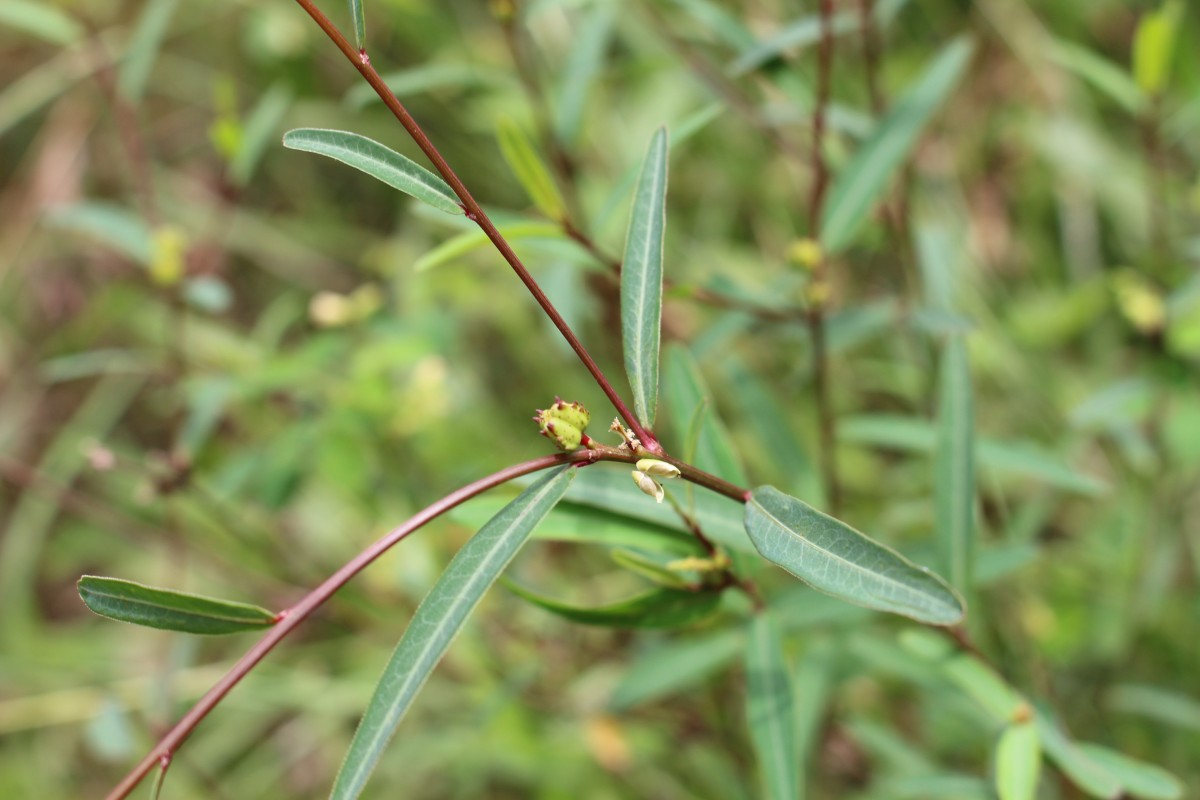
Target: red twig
290, 618
476, 213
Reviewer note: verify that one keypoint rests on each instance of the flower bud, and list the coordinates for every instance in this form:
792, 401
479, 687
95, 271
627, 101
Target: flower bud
806, 254
563, 423
658, 469
648, 485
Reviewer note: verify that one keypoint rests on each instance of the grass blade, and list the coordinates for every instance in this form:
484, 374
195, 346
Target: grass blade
169, 610
865, 178
378, 161
954, 466
641, 279
530, 170
770, 710
829, 555
441, 615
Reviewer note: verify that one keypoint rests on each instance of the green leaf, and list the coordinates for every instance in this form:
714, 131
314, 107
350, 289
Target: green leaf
258, 130
468, 241
1154, 45
425, 78
829, 555
1084, 771
377, 161
686, 391
40, 19
660, 608
793, 37
804, 32
675, 666
584, 62
1107, 78
144, 47
1162, 705
360, 24
978, 680
812, 684
127, 601
1137, 777
608, 489
770, 710
641, 279
862, 181
649, 568
586, 524
1022, 459
954, 466
117, 227
529, 169
1018, 762
438, 620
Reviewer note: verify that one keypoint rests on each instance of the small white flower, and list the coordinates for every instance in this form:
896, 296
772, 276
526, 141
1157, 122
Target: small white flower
659, 469
648, 485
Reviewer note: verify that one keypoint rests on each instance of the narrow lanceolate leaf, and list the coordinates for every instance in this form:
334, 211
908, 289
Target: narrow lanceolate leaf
705, 435
829, 555
438, 620
954, 466
770, 710
661, 608
377, 161
1018, 762
144, 46
529, 169
360, 24
863, 181
1154, 44
171, 611
1138, 778
641, 279
1084, 771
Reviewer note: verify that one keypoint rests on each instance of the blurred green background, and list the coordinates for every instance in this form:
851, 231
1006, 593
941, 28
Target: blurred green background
226, 367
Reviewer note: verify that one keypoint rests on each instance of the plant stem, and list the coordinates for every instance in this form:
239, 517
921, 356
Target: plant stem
476, 214
820, 282
705, 479
870, 48
291, 618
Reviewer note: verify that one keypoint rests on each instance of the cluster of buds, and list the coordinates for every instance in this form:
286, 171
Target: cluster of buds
563, 423
650, 468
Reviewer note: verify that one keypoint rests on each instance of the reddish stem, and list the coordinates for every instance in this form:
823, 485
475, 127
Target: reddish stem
292, 617
476, 213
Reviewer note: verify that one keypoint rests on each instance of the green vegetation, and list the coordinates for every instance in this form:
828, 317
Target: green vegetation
896, 304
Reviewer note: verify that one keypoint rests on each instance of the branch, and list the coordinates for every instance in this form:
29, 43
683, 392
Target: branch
476, 213
292, 617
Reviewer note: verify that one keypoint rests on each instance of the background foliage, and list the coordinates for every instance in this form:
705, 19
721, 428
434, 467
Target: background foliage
226, 367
